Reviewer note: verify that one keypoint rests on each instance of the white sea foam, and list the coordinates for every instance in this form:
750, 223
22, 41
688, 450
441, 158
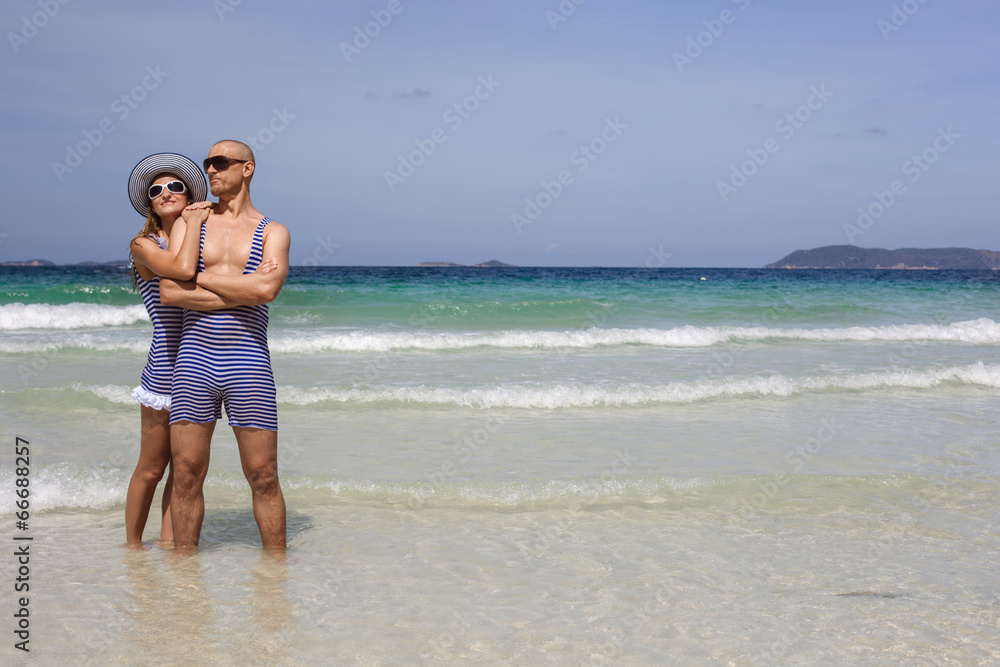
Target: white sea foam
71, 485
974, 332
980, 332
580, 395
103, 487
32, 344
575, 395
15, 316
610, 490
114, 393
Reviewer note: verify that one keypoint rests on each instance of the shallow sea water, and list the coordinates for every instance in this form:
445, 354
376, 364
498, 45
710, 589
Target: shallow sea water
538, 467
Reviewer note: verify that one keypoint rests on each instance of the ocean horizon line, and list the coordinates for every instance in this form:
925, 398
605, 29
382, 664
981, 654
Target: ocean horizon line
123, 266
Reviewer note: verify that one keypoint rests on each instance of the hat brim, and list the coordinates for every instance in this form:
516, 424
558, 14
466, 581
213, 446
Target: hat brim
149, 168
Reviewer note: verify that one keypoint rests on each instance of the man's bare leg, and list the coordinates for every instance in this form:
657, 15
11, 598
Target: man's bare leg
190, 445
259, 456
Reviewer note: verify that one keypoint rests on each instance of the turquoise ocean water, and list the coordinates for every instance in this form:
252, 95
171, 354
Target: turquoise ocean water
536, 466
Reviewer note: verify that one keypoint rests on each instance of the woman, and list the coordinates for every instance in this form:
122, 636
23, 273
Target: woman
161, 187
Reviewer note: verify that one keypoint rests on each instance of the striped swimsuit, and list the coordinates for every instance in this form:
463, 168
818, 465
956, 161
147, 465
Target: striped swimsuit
154, 386
223, 359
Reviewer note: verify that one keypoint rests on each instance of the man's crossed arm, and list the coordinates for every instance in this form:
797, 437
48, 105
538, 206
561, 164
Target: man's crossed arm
210, 291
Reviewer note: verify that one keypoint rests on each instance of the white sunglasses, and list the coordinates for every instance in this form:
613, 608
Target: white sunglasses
176, 187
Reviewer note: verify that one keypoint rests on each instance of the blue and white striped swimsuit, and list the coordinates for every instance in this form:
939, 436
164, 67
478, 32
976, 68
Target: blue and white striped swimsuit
223, 358
154, 386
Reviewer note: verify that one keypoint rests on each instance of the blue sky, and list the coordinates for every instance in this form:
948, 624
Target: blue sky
644, 124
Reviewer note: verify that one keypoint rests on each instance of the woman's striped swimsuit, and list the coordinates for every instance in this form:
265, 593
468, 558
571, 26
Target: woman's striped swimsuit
154, 386
223, 359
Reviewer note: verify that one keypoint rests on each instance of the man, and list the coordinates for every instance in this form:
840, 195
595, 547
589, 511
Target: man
223, 356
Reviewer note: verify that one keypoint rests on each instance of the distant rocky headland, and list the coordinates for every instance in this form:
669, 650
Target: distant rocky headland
853, 257
116, 264
485, 265
30, 262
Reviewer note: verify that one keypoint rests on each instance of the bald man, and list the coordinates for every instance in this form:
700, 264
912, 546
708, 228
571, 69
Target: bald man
223, 357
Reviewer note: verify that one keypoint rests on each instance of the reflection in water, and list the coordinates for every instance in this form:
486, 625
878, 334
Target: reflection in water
172, 619
271, 609
242, 617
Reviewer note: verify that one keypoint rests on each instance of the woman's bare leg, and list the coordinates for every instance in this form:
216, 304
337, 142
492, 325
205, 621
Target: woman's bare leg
166, 523
154, 455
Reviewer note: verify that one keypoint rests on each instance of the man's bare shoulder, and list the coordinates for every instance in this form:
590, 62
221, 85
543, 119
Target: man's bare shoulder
277, 228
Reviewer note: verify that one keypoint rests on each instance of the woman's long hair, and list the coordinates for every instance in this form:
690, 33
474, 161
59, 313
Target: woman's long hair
152, 226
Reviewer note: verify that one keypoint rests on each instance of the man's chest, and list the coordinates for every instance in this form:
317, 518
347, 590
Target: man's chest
227, 247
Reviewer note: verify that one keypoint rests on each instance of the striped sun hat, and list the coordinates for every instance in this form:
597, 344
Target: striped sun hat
163, 163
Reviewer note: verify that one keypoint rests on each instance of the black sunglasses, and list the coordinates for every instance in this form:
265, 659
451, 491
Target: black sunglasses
220, 162
176, 187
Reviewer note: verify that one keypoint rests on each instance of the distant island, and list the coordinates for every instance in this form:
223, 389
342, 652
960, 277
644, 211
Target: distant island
30, 262
485, 265
114, 264
853, 257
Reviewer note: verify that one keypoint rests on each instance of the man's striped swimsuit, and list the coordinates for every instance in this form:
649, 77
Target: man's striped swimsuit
223, 358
